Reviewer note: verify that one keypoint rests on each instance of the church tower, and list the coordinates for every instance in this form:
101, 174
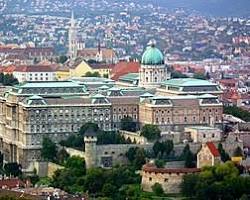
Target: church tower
72, 52
153, 70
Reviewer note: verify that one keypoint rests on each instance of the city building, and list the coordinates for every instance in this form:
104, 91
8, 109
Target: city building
98, 54
208, 155
34, 73
203, 134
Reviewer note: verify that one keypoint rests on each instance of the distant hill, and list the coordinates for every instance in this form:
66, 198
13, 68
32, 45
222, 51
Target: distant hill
209, 7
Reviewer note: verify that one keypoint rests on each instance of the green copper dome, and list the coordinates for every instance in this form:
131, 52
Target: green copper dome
152, 56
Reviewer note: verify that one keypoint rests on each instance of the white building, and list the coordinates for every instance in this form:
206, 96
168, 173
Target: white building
34, 73
203, 134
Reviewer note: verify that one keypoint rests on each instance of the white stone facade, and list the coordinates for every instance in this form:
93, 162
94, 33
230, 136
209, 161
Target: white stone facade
152, 75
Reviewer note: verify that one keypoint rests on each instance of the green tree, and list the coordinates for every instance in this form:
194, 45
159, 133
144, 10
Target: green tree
188, 157
176, 74
163, 148
1, 161
108, 190
94, 180
77, 164
238, 152
62, 59
199, 76
188, 184
157, 189
88, 125
130, 154
224, 156
128, 124
49, 149
13, 169
151, 132
92, 74
140, 158
217, 182
237, 112
105, 75
159, 163
8, 79
62, 156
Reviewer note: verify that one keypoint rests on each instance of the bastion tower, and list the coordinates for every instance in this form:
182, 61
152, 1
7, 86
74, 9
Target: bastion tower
90, 140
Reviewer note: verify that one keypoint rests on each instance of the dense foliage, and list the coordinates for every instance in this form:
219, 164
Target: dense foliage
8, 79
221, 182
128, 124
96, 181
49, 150
237, 112
136, 157
188, 157
223, 154
162, 150
103, 137
92, 74
151, 132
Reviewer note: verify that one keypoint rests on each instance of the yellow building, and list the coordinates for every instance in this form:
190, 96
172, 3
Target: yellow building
80, 67
62, 74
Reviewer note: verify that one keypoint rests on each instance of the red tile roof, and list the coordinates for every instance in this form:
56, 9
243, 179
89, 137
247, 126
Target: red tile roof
11, 183
34, 68
124, 67
152, 168
213, 149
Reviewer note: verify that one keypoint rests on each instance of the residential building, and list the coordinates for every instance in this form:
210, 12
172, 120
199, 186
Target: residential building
34, 73
208, 155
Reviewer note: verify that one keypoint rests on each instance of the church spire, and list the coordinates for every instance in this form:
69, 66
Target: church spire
72, 21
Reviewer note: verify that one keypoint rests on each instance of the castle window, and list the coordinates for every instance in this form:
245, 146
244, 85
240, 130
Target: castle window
113, 152
165, 180
213, 135
156, 120
150, 179
204, 135
105, 152
185, 119
204, 119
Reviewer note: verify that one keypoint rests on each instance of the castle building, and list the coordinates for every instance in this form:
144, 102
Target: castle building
90, 140
188, 86
169, 178
176, 112
153, 70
